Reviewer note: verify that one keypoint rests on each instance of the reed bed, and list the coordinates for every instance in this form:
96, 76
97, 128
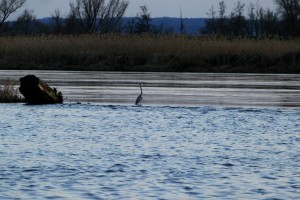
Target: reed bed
150, 53
9, 92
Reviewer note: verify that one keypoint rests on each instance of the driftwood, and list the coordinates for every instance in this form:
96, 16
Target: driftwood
36, 91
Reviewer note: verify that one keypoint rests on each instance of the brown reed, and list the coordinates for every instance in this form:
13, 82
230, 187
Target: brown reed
148, 53
9, 92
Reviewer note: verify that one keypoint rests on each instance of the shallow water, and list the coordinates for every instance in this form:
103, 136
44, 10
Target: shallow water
198, 136
94, 151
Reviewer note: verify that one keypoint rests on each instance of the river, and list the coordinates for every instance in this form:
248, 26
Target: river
172, 89
197, 136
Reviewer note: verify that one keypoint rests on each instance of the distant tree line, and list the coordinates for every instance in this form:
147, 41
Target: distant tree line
254, 21
142, 24
104, 16
85, 16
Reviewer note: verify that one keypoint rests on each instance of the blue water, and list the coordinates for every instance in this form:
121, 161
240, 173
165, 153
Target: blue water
94, 151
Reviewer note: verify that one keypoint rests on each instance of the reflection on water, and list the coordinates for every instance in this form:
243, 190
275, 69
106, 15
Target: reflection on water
193, 89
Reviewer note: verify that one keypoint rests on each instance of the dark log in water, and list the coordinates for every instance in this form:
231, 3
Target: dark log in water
36, 91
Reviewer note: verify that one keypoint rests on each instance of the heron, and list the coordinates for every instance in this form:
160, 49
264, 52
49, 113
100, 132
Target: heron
139, 99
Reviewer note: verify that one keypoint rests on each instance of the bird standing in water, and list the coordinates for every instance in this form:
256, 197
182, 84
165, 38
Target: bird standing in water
139, 99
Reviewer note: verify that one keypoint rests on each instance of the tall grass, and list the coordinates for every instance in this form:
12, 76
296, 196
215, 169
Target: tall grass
9, 92
149, 53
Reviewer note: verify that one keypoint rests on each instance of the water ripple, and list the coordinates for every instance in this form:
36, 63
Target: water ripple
93, 151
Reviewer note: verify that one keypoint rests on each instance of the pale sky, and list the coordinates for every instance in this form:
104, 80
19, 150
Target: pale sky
157, 8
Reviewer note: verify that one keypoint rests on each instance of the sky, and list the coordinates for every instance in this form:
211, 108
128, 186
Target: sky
157, 8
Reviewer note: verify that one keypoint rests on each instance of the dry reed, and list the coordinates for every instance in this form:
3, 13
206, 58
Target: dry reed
9, 92
148, 53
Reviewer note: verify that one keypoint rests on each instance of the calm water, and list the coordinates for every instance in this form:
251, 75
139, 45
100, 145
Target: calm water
173, 89
106, 148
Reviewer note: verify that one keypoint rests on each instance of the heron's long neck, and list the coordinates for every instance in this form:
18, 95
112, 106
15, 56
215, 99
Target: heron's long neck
141, 90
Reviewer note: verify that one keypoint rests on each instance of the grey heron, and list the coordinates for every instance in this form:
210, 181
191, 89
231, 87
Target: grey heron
139, 99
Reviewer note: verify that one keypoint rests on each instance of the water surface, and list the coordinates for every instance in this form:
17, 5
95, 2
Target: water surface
92, 151
198, 136
173, 89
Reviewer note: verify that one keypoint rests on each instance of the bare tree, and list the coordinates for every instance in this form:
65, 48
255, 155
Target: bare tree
217, 24
143, 24
269, 25
112, 15
72, 24
57, 19
258, 21
252, 20
222, 19
87, 11
7, 7
238, 20
94, 15
290, 11
24, 23
181, 28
